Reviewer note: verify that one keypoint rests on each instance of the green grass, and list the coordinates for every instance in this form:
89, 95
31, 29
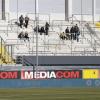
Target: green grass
50, 94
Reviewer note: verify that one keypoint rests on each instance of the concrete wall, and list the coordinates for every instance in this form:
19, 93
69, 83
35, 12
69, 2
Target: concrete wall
62, 60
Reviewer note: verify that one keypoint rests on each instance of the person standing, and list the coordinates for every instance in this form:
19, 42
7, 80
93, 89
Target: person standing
77, 32
21, 20
72, 33
67, 33
26, 21
67, 30
47, 28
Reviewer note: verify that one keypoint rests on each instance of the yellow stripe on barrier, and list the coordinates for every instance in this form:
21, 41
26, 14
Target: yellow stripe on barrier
97, 25
5, 57
90, 74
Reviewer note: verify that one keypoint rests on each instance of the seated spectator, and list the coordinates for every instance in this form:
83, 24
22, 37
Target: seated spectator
21, 20
37, 29
21, 35
26, 36
62, 36
42, 30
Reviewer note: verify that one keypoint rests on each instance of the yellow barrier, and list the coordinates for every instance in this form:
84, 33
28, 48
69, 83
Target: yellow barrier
5, 57
97, 25
90, 74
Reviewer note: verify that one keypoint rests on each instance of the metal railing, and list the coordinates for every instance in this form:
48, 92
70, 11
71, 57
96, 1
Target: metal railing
62, 24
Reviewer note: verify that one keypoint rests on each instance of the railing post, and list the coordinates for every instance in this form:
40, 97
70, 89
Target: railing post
3, 10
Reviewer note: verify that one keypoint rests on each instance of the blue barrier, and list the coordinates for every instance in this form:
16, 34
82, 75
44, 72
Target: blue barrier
17, 83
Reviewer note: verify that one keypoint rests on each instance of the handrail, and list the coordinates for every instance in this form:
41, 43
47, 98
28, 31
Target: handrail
92, 32
74, 53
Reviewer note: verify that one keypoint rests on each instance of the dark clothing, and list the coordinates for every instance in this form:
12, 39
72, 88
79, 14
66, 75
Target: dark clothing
37, 29
21, 35
42, 30
26, 21
67, 30
77, 33
46, 31
67, 33
47, 28
72, 30
76, 29
21, 20
72, 33
18, 24
26, 36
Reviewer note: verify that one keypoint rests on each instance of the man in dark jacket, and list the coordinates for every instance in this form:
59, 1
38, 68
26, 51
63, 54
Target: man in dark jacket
72, 33
47, 28
26, 21
67, 30
77, 32
67, 33
21, 20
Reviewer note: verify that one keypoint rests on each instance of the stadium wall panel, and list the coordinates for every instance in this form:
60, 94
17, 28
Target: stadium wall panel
62, 60
17, 83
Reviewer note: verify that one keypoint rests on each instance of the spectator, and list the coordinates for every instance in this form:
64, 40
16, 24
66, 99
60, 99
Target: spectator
37, 29
47, 28
67, 33
26, 36
72, 33
21, 20
67, 30
21, 35
42, 30
26, 21
77, 32
62, 36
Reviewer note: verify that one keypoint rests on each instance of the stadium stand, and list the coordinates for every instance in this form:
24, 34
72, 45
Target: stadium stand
48, 45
